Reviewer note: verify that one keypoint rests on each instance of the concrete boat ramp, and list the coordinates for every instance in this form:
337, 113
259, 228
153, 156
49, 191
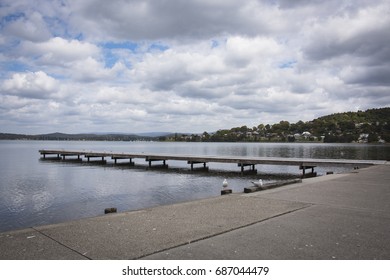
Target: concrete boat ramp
339, 216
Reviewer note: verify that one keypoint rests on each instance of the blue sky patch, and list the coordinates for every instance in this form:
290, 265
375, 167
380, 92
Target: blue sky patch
11, 17
288, 64
158, 46
13, 67
121, 45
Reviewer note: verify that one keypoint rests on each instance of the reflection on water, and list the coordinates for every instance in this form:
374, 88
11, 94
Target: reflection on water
36, 192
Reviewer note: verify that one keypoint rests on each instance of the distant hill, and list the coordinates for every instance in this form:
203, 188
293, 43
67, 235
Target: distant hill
154, 134
143, 134
77, 137
368, 126
371, 126
369, 116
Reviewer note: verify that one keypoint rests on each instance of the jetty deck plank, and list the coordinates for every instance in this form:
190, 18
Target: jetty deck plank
242, 160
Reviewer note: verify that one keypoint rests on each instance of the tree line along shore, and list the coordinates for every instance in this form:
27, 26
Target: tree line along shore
370, 126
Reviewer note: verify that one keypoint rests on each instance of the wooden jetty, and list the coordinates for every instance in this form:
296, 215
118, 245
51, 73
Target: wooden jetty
241, 161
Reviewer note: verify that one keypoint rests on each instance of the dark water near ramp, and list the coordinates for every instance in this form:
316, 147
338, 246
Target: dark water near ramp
36, 192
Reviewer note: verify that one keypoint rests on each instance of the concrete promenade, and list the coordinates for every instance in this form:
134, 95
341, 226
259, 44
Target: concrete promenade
340, 216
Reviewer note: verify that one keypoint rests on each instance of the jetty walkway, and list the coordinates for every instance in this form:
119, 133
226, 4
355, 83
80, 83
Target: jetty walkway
338, 216
241, 161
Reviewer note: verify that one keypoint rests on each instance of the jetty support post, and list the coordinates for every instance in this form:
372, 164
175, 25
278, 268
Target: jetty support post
150, 160
252, 169
49, 152
102, 156
115, 158
310, 175
70, 154
205, 167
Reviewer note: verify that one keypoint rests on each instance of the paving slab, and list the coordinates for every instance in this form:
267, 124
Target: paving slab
349, 218
132, 235
367, 188
29, 244
317, 232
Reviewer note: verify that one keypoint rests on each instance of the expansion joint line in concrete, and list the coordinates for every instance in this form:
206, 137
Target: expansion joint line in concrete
223, 232
62, 244
351, 208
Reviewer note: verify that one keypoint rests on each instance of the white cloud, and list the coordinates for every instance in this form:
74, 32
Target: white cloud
59, 51
89, 70
151, 20
143, 65
71, 59
30, 85
241, 51
31, 29
360, 34
238, 65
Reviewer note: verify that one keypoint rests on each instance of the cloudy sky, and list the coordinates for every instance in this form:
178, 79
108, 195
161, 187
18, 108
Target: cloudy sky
188, 65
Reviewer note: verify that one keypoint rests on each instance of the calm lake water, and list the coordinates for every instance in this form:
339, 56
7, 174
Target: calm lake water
37, 192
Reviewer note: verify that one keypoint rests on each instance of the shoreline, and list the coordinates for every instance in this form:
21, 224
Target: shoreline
194, 142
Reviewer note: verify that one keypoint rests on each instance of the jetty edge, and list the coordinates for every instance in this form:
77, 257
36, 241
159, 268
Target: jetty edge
241, 161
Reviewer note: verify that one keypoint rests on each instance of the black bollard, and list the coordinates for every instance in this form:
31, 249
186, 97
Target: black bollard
110, 210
